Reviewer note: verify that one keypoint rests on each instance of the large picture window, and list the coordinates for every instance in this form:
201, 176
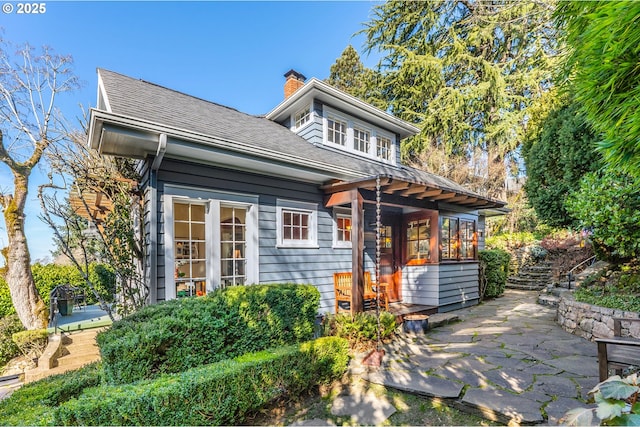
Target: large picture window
210, 241
457, 239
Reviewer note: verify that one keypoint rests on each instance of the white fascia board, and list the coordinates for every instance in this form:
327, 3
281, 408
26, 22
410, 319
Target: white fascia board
102, 121
363, 109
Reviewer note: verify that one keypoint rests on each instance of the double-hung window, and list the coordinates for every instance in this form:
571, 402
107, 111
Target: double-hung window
342, 228
383, 148
361, 140
336, 131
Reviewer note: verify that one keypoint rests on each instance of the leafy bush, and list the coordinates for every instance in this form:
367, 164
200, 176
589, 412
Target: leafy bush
34, 403
32, 342
494, 270
618, 404
9, 325
177, 335
49, 276
223, 393
361, 329
607, 203
507, 241
617, 288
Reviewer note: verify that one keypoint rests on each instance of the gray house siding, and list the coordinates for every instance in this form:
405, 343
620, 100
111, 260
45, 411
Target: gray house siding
481, 232
458, 285
420, 284
296, 265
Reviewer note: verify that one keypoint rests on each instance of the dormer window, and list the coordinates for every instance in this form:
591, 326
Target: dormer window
302, 117
336, 131
361, 140
383, 148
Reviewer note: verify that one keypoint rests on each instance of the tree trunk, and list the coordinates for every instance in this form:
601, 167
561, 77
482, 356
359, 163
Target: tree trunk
28, 304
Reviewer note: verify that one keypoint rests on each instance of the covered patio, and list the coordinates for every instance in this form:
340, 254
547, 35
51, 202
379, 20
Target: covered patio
400, 201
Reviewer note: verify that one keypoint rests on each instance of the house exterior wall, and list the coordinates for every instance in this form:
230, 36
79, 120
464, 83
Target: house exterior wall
294, 265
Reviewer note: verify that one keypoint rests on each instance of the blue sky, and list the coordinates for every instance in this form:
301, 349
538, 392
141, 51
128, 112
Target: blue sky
232, 53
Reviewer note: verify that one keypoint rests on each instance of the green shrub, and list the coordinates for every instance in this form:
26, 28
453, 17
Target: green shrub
9, 325
49, 276
223, 393
494, 270
34, 403
607, 203
177, 335
32, 342
361, 329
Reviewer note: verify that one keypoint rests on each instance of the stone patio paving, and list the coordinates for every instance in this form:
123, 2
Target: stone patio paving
506, 360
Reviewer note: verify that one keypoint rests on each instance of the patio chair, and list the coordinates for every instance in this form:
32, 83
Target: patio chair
342, 288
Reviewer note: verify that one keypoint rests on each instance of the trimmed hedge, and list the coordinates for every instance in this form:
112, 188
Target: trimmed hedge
223, 393
177, 335
494, 263
35, 403
361, 329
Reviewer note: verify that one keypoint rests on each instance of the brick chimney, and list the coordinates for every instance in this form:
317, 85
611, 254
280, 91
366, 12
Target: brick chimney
294, 81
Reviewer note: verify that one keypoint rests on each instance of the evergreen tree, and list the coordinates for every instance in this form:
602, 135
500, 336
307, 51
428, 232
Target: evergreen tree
350, 75
556, 160
471, 74
603, 70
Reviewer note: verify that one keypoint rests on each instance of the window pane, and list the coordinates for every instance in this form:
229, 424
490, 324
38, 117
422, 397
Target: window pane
181, 212
181, 230
305, 220
197, 231
197, 213
304, 234
226, 215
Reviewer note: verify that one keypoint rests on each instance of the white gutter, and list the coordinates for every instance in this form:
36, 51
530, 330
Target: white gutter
162, 148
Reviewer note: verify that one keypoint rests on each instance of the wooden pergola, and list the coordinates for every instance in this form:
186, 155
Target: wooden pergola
397, 192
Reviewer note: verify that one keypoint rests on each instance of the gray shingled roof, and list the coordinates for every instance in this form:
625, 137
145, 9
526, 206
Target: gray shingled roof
148, 101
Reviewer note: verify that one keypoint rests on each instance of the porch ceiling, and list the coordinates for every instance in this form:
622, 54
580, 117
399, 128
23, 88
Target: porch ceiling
415, 190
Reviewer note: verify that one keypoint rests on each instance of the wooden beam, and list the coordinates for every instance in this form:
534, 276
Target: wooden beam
457, 199
444, 196
395, 186
357, 252
414, 190
337, 199
469, 200
429, 193
339, 186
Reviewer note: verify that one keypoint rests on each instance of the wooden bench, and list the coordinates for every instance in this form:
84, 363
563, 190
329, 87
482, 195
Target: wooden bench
617, 352
342, 283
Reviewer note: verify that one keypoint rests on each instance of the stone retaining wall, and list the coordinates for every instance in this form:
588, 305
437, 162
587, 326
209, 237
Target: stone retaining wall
592, 321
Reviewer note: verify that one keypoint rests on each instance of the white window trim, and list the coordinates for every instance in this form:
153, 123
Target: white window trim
308, 107
303, 207
212, 201
344, 213
375, 146
328, 113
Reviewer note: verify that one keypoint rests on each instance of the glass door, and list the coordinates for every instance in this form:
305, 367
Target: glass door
233, 246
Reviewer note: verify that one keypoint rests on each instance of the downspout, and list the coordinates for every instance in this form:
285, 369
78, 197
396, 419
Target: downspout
153, 218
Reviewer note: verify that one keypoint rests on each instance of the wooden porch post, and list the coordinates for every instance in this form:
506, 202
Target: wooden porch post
357, 252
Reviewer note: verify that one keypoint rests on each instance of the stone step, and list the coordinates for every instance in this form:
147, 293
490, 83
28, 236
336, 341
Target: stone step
524, 281
549, 300
523, 287
72, 360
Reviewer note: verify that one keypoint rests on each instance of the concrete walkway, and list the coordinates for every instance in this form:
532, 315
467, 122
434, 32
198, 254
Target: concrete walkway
506, 360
